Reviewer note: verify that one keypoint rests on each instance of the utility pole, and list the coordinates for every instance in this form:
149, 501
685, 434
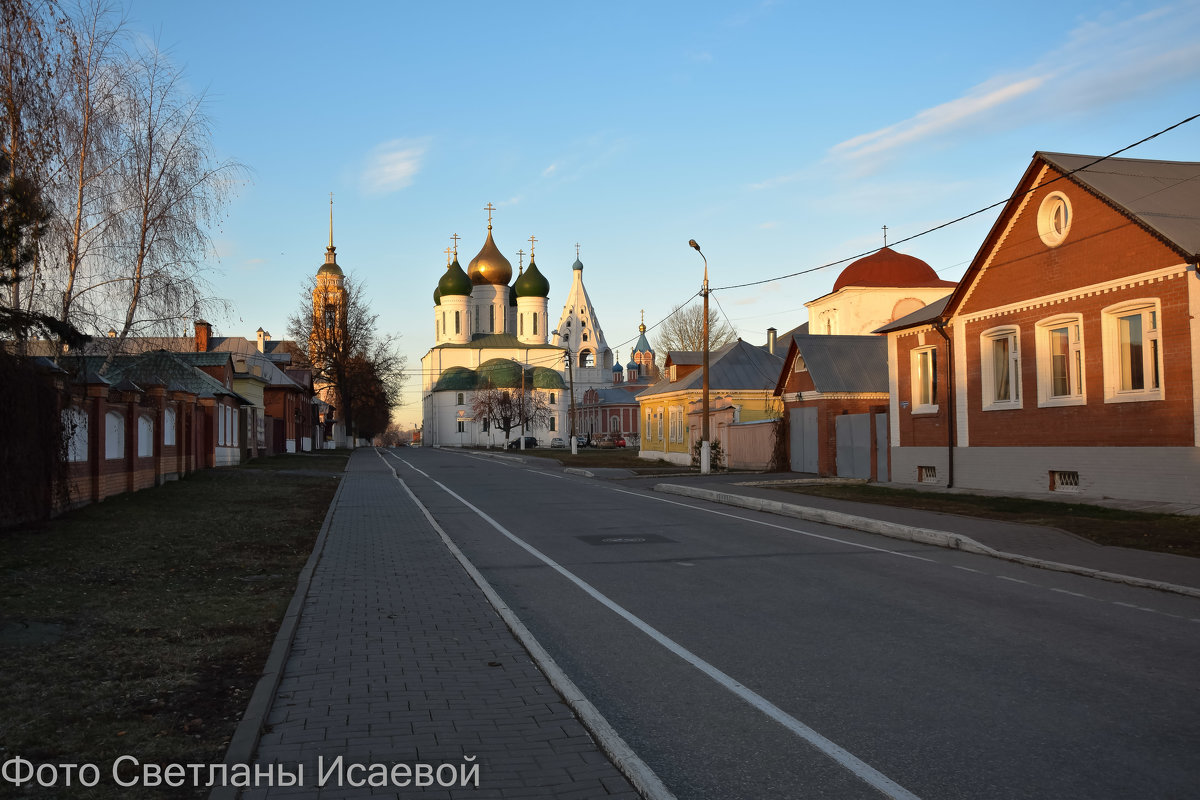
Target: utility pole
705, 446
571, 378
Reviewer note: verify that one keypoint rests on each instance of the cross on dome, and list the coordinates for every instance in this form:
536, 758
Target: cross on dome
489, 208
532, 242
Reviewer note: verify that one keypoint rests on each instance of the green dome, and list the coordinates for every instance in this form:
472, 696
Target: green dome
501, 373
455, 281
546, 378
532, 283
457, 379
512, 295
437, 296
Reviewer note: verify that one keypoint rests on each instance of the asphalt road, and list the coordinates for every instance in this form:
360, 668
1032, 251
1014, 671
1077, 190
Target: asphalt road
744, 655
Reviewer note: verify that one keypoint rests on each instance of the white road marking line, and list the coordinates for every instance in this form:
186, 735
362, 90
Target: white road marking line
1073, 594
622, 755
856, 766
779, 527
1136, 607
877, 549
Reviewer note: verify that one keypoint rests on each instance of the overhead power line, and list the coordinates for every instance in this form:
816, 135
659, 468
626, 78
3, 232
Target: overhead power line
964, 216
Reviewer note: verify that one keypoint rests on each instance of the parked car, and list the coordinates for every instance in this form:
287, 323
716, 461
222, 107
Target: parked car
620, 441
582, 441
530, 442
557, 442
606, 442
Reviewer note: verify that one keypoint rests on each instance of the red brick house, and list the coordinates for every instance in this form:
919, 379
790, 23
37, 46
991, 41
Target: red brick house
1067, 360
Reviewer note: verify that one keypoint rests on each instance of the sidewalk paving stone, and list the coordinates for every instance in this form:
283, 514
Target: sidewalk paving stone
399, 658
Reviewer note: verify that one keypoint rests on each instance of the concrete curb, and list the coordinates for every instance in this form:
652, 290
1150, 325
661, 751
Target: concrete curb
626, 760
245, 737
911, 533
579, 471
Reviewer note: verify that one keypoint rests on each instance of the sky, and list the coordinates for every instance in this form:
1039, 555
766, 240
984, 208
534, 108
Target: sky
780, 135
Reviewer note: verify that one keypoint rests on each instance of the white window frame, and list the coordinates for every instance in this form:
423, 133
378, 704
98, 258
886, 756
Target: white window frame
1150, 309
145, 436
917, 355
987, 368
75, 432
1076, 361
114, 435
1054, 219
168, 427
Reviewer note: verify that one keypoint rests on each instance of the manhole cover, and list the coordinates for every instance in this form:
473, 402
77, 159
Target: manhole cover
632, 538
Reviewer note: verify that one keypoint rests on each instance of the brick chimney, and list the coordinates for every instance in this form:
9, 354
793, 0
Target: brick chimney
203, 334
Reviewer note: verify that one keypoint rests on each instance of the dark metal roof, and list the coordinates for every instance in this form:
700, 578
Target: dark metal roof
158, 367
845, 363
922, 316
738, 366
1162, 195
686, 357
215, 358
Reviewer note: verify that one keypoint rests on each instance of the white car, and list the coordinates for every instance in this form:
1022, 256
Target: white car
557, 442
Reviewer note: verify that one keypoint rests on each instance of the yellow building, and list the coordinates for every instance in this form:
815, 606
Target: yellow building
741, 376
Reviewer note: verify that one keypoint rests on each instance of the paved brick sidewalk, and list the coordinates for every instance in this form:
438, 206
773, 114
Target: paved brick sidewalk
399, 659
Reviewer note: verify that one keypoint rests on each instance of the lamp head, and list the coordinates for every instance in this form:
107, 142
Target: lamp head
692, 242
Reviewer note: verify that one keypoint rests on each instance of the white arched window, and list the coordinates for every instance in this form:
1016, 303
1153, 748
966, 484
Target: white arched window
114, 435
145, 438
75, 432
169, 427
1000, 367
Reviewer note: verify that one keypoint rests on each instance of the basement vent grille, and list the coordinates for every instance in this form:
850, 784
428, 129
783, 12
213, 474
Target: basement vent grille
1064, 481
927, 474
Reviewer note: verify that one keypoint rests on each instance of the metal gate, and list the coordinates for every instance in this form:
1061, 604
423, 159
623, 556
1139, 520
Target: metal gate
803, 452
854, 446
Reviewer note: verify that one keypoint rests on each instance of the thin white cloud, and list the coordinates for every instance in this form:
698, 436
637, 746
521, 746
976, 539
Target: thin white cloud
550, 170
393, 165
766, 226
1101, 61
935, 120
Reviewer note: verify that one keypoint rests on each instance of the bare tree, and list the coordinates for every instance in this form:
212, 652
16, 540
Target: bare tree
684, 330
84, 186
27, 136
345, 353
172, 187
508, 409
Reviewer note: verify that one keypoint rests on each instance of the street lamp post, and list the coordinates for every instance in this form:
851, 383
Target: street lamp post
705, 447
571, 378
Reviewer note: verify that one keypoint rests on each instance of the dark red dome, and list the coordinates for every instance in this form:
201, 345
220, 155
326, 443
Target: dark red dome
889, 268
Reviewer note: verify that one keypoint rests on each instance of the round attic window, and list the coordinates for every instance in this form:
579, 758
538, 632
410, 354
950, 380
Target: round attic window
1054, 219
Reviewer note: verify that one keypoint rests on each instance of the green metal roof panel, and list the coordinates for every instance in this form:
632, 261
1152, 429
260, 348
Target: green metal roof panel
457, 379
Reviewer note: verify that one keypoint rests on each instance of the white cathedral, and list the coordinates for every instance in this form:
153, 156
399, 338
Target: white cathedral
491, 334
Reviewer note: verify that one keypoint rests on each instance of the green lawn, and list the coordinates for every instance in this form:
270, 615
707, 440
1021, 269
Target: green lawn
140, 625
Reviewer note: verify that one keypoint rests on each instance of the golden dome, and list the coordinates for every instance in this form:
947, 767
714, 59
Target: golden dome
490, 266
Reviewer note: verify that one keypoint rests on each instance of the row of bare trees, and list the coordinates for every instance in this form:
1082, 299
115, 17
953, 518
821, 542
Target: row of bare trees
121, 156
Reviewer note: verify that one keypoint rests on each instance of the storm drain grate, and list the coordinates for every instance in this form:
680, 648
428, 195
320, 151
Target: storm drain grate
626, 538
